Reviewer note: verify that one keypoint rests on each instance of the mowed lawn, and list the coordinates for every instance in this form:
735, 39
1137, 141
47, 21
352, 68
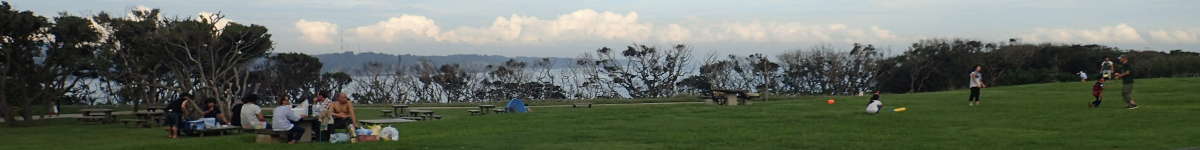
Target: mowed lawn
1040, 116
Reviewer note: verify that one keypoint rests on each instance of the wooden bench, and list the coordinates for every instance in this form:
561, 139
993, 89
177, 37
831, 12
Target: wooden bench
581, 105
216, 131
412, 118
474, 112
93, 119
384, 121
499, 110
387, 113
437, 117
137, 122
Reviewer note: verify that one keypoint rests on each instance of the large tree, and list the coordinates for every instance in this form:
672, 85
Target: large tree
294, 75
19, 44
42, 61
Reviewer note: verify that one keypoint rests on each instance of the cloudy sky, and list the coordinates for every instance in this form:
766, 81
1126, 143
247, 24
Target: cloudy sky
572, 27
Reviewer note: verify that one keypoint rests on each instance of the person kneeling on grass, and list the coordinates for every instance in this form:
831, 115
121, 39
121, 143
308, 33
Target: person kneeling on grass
1097, 91
283, 118
874, 105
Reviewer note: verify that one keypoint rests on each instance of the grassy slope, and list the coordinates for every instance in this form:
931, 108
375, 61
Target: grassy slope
1042, 116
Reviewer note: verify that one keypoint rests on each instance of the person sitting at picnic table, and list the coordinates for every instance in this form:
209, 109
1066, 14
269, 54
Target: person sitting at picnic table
343, 112
175, 112
251, 114
320, 108
212, 111
283, 118
235, 117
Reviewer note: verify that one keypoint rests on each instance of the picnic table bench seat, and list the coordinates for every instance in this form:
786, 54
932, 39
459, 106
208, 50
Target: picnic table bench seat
384, 121
474, 112
216, 131
499, 110
387, 113
412, 118
93, 119
269, 136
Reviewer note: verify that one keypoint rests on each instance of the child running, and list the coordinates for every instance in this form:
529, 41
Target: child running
1097, 90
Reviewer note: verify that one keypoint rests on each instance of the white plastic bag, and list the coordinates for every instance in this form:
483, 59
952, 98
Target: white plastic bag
390, 133
339, 138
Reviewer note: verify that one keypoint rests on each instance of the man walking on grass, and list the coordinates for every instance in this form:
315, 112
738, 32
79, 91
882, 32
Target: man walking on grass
976, 84
1126, 75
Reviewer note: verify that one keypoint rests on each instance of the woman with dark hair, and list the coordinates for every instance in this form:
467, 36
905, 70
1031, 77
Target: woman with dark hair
212, 111
175, 112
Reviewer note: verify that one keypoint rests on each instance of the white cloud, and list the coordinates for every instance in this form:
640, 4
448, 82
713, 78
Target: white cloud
1116, 34
396, 28
775, 32
316, 32
1120, 33
591, 25
1176, 36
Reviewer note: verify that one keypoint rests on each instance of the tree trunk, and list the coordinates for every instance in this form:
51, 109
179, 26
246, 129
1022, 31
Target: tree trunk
26, 110
6, 111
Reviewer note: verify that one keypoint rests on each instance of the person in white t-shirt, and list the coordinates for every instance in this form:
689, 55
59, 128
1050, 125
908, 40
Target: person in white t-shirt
874, 105
976, 80
251, 114
283, 118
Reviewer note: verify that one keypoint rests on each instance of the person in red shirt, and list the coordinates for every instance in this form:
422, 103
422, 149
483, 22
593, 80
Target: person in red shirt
1097, 91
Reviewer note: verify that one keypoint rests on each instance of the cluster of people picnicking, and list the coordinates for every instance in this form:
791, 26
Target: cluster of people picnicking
1108, 71
330, 116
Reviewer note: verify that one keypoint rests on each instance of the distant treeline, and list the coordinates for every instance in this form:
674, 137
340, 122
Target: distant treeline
943, 64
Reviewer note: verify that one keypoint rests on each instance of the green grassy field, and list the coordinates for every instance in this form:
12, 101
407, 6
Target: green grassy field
1041, 116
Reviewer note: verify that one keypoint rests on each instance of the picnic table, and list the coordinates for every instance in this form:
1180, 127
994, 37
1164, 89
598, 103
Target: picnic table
399, 109
146, 117
156, 108
424, 114
384, 121
97, 114
307, 123
732, 97
484, 108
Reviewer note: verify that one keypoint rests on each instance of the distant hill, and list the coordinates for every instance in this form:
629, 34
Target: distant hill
349, 61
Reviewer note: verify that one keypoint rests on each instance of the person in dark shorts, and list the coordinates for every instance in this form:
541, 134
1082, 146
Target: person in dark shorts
1126, 75
976, 83
1098, 93
175, 111
343, 112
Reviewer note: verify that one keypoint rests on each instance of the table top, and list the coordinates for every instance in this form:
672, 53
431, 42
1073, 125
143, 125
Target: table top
401, 105
420, 111
96, 110
385, 121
